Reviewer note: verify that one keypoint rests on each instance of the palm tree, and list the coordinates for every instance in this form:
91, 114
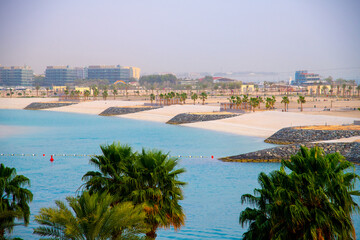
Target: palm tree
301, 100
203, 97
105, 94
312, 201
86, 94
245, 100
14, 199
152, 97
91, 217
238, 101
183, 97
148, 179
115, 92
285, 100
160, 191
324, 89
357, 88
261, 100
194, 96
37, 87
254, 102
344, 87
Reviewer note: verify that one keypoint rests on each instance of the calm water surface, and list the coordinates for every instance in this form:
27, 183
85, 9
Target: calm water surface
212, 196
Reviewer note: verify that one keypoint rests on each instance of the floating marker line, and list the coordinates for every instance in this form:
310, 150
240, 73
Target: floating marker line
82, 155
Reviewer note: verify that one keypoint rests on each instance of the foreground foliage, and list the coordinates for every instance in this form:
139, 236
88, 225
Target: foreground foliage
148, 179
313, 201
91, 217
14, 199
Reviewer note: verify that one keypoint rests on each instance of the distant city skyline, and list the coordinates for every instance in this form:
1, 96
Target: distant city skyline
277, 36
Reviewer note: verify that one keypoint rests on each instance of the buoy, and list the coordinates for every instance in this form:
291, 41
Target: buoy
51, 158
212, 156
44, 155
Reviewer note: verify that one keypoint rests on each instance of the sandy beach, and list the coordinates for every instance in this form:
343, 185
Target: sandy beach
260, 124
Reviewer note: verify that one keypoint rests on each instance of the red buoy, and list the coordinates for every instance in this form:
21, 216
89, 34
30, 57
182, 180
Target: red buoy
44, 155
51, 159
212, 156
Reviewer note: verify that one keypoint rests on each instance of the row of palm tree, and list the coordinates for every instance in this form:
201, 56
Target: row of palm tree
14, 199
130, 194
310, 197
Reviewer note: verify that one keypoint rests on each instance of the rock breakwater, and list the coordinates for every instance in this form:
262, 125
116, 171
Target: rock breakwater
111, 111
351, 151
45, 105
196, 117
295, 135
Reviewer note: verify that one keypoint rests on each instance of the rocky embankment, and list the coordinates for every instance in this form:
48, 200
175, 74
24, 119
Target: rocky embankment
45, 105
196, 117
111, 111
351, 151
294, 135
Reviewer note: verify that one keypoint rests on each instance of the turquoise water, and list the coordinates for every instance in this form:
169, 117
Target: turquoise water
212, 196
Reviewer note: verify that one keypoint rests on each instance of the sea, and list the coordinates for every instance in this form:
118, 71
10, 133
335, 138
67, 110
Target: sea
211, 197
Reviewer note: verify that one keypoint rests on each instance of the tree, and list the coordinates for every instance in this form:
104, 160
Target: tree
194, 97
37, 87
270, 102
358, 90
203, 97
183, 97
344, 87
105, 94
95, 91
152, 97
86, 94
300, 101
254, 102
312, 199
245, 100
91, 217
14, 199
115, 92
148, 179
285, 100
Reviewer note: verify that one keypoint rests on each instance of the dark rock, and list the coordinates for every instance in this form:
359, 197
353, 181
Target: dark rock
44, 105
291, 135
351, 151
124, 110
190, 118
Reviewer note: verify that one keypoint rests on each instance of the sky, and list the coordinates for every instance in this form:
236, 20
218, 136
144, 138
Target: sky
183, 35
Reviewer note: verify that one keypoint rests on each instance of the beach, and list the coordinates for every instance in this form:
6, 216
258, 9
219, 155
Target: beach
259, 124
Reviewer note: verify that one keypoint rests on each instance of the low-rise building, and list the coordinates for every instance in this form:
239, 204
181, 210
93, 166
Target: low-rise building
16, 76
59, 75
113, 73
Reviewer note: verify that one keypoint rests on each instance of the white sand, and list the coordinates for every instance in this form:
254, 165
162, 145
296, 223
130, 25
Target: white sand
260, 124
93, 107
21, 103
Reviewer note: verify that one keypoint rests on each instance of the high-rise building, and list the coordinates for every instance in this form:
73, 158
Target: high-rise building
113, 73
303, 76
60, 75
16, 76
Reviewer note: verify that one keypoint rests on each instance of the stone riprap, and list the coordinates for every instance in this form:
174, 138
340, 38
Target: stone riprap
293, 135
191, 117
111, 111
45, 105
351, 151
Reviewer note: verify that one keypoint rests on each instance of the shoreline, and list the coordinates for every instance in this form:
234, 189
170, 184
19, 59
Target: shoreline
256, 124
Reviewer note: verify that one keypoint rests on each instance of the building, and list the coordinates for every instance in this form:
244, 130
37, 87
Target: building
318, 89
81, 73
60, 75
303, 77
223, 80
16, 76
113, 73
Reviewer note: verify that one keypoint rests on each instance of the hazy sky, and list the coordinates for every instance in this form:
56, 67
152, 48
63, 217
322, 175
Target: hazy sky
182, 35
